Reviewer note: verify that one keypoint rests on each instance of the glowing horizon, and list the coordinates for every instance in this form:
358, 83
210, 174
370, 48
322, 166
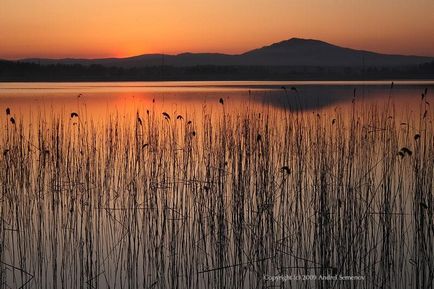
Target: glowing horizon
83, 29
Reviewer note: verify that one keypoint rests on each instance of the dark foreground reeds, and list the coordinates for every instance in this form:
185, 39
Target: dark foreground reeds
218, 200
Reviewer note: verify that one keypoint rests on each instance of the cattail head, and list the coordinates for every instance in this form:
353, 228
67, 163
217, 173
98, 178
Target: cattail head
405, 151
424, 93
423, 205
12, 120
8, 111
285, 169
221, 100
166, 115
74, 114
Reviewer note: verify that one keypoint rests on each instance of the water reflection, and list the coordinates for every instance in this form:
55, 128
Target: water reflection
102, 98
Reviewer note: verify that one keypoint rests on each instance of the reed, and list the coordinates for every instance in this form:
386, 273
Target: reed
218, 199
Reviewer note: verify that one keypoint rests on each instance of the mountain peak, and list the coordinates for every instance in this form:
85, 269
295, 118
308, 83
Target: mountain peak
299, 42
289, 45
311, 52
302, 40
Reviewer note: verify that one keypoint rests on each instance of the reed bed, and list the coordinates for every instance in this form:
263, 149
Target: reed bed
218, 199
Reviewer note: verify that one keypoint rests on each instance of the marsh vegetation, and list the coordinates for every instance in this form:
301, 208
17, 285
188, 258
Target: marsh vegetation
218, 198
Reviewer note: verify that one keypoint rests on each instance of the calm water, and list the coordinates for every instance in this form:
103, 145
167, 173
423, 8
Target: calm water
281, 183
98, 99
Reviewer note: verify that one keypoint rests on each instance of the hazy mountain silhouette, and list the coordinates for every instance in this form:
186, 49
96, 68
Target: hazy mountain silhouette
309, 52
292, 52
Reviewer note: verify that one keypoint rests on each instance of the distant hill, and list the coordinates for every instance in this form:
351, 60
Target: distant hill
292, 52
308, 52
293, 59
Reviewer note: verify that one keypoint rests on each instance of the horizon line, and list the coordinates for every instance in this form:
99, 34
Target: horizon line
208, 52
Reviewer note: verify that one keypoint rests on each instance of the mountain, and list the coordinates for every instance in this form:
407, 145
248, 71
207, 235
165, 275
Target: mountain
292, 52
309, 52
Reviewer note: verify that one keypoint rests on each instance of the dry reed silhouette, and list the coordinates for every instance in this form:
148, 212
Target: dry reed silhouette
219, 201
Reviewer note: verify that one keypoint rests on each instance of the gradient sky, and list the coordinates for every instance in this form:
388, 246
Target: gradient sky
105, 28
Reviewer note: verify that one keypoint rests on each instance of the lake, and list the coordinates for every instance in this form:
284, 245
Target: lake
217, 185
100, 98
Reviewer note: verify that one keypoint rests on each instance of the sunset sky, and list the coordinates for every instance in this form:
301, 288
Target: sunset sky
106, 28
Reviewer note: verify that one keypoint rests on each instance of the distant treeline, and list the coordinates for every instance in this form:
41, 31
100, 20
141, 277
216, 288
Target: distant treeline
20, 71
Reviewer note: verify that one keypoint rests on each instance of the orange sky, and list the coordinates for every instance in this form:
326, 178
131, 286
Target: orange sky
105, 28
